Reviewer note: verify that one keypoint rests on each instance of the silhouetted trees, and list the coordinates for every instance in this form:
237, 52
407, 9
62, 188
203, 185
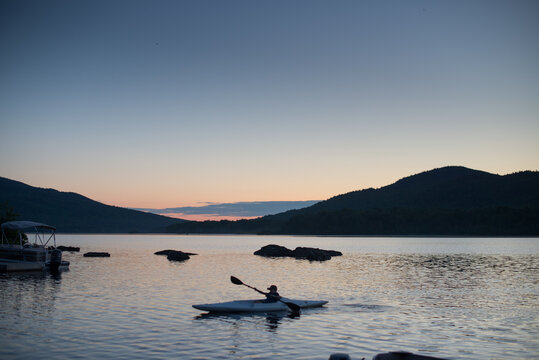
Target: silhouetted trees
8, 214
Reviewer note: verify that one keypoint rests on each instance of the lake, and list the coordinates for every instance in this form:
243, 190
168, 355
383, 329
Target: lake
459, 298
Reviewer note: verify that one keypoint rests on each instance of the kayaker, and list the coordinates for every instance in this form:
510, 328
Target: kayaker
272, 295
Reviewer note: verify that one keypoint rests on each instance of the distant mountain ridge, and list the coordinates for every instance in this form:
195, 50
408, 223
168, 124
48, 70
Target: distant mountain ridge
445, 201
71, 212
240, 209
452, 200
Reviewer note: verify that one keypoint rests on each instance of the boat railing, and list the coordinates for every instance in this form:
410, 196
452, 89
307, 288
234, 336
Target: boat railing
41, 236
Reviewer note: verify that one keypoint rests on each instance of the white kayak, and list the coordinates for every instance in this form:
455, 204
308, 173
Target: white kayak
257, 305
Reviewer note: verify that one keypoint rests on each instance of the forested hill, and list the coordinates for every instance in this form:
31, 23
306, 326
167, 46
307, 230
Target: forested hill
444, 201
74, 213
451, 187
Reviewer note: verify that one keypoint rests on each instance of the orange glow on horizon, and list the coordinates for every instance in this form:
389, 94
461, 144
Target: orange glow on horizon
208, 217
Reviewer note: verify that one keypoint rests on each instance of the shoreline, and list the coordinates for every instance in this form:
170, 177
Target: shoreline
323, 236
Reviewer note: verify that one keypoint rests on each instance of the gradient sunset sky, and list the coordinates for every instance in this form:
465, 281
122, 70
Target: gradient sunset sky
172, 103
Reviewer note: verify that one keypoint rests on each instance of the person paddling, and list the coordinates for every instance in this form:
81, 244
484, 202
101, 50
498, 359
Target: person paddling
272, 295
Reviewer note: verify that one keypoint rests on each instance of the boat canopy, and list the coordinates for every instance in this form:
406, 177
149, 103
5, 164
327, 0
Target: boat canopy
39, 229
21, 225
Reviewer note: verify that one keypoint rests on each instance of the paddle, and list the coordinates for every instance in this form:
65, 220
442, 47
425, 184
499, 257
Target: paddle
292, 306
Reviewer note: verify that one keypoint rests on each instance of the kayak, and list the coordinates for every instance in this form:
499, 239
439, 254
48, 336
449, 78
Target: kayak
257, 305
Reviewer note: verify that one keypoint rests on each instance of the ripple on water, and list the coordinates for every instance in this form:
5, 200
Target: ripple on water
368, 307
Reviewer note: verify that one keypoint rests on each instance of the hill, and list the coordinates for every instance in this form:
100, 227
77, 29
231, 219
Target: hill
74, 213
450, 187
446, 201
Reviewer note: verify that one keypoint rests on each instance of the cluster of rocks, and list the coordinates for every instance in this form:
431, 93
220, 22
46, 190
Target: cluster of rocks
88, 254
308, 253
175, 255
312, 254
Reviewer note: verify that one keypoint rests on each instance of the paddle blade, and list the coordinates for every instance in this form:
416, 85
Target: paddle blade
292, 306
235, 280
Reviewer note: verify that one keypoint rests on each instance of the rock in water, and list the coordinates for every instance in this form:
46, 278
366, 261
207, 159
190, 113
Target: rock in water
163, 252
312, 254
175, 255
97, 254
166, 252
68, 248
403, 355
274, 251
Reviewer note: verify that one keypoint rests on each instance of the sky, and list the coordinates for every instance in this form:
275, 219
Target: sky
155, 104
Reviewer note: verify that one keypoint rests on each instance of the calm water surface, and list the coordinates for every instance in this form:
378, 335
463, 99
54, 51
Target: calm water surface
445, 297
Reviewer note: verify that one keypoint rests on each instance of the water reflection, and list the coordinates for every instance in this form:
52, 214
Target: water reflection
139, 306
437, 280
272, 319
458, 280
28, 294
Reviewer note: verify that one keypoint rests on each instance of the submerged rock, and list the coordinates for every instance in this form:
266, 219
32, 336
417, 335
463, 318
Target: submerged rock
312, 254
175, 255
97, 254
68, 248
